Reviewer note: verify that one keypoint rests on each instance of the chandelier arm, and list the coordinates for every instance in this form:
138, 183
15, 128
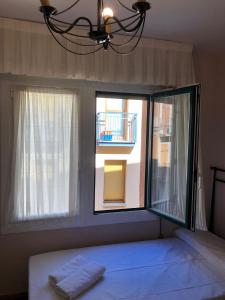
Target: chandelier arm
129, 24
94, 25
61, 31
73, 52
67, 23
82, 36
76, 43
125, 19
77, 35
73, 34
68, 8
134, 47
128, 41
124, 6
69, 33
124, 28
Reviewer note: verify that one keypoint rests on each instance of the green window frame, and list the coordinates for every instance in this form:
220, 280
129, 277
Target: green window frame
193, 93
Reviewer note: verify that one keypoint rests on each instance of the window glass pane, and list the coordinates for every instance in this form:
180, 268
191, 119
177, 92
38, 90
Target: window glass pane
112, 105
170, 155
120, 153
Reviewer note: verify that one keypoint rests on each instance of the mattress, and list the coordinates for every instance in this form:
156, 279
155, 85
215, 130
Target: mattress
172, 268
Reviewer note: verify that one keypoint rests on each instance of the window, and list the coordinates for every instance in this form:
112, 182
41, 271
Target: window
46, 156
120, 152
167, 186
145, 158
173, 152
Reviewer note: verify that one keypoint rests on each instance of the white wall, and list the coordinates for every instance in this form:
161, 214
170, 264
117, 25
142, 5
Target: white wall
210, 72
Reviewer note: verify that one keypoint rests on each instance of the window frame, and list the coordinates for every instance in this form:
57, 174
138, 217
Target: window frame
194, 91
10, 224
191, 189
86, 109
47, 217
87, 148
125, 96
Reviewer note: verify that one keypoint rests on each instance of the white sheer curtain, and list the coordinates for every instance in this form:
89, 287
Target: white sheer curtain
169, 189
170, 148
200, 203
181, 145
46, 154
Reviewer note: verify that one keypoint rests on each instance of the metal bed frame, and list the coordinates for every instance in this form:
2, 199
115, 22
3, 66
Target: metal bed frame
216, 178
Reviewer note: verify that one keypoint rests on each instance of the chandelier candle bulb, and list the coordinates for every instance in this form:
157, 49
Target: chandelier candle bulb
107, 13
45, 2
108, 28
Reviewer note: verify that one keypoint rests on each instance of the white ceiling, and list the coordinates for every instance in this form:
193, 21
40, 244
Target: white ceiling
201, 22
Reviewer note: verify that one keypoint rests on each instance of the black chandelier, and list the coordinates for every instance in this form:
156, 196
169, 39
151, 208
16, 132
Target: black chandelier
100, 35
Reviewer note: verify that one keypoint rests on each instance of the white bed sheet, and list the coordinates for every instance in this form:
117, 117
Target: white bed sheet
211, 247
158, 269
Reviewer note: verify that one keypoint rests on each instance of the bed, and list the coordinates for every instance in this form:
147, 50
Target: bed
171, 268
190, 265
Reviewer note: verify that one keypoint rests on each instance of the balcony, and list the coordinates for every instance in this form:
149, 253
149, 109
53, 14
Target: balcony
116, 129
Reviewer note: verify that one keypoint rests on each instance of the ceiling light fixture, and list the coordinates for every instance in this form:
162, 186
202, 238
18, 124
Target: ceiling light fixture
101, 34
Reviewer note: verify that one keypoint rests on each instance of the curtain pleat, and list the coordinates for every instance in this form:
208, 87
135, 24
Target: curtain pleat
28, 49
169, 185
43, 179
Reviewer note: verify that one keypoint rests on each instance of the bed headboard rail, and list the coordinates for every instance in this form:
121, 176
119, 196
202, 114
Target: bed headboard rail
216, 178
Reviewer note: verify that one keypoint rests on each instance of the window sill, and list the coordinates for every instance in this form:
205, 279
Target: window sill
28, 225
118, 217
43, 218
97, 219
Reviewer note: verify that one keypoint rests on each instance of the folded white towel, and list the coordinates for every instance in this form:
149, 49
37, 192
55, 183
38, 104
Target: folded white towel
80, 280
66, 270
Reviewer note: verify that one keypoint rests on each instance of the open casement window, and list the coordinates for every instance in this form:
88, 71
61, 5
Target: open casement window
147, 152
172, 154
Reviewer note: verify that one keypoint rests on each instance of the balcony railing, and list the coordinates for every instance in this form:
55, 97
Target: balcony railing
116, 128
